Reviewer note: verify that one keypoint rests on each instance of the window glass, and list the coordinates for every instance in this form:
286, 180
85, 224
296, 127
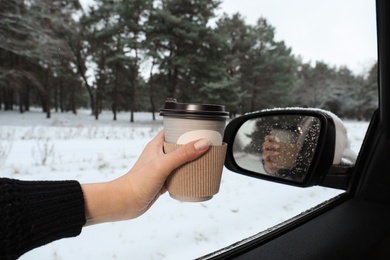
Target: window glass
77, 87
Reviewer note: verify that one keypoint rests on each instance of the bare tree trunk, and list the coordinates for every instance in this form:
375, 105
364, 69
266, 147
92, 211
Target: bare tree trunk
21, 88
56, 97
48, 93
81, 70
61, 96
132, 98
91, 96
26, 98
73, 100
21, 94
132, 94
114, 92
151, 91
153, 108
175, 92
8, 99
132, 116
1, 97
97, 105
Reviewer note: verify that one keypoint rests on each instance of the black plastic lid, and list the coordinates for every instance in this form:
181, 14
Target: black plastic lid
193, 111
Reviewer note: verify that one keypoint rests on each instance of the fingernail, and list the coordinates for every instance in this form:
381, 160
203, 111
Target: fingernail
202, 144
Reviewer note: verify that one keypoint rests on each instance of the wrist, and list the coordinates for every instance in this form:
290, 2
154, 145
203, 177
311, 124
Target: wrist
99, 202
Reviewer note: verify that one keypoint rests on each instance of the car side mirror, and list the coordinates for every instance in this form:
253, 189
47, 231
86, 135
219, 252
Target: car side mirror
291, 146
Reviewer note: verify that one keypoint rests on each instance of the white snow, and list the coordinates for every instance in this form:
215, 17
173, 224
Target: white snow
78, 147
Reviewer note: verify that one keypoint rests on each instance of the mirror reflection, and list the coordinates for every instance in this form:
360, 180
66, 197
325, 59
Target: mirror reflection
281, 146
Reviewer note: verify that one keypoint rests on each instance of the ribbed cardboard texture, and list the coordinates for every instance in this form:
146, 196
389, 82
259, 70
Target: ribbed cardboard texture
197, 180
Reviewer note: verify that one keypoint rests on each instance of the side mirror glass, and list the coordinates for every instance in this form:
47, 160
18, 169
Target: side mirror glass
277, 145
295, 146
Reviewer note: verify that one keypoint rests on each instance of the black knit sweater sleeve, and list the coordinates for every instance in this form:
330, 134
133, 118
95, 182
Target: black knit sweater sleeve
34, 213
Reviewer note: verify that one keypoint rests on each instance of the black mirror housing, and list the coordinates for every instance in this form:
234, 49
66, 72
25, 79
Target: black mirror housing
318, 161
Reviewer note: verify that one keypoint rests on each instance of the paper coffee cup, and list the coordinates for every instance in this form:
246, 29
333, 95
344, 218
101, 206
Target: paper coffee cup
198, 180
288, 153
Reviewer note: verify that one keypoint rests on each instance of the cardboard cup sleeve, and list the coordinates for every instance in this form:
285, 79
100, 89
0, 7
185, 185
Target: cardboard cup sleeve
197, 180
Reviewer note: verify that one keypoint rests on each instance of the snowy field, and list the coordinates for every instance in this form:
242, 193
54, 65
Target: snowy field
79, 147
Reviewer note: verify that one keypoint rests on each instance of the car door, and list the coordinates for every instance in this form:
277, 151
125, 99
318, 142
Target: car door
354, 225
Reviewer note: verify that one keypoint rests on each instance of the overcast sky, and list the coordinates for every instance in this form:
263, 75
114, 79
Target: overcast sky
338, 32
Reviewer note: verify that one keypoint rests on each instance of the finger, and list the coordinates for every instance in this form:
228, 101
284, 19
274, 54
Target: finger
186, 153
272, 159
270, 138
272, 167
270, 146
160, 136
158, 140
272, 153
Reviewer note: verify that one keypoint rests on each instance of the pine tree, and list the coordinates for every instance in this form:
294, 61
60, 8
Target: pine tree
184, 47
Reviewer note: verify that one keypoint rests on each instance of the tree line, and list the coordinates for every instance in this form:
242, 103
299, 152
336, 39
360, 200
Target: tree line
129, 55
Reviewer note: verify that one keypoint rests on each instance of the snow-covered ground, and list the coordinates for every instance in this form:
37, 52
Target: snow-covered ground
78, 147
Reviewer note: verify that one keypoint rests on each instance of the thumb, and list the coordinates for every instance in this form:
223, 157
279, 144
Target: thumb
186, 153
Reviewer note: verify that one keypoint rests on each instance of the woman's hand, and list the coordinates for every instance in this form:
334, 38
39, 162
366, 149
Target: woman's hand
134, 193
